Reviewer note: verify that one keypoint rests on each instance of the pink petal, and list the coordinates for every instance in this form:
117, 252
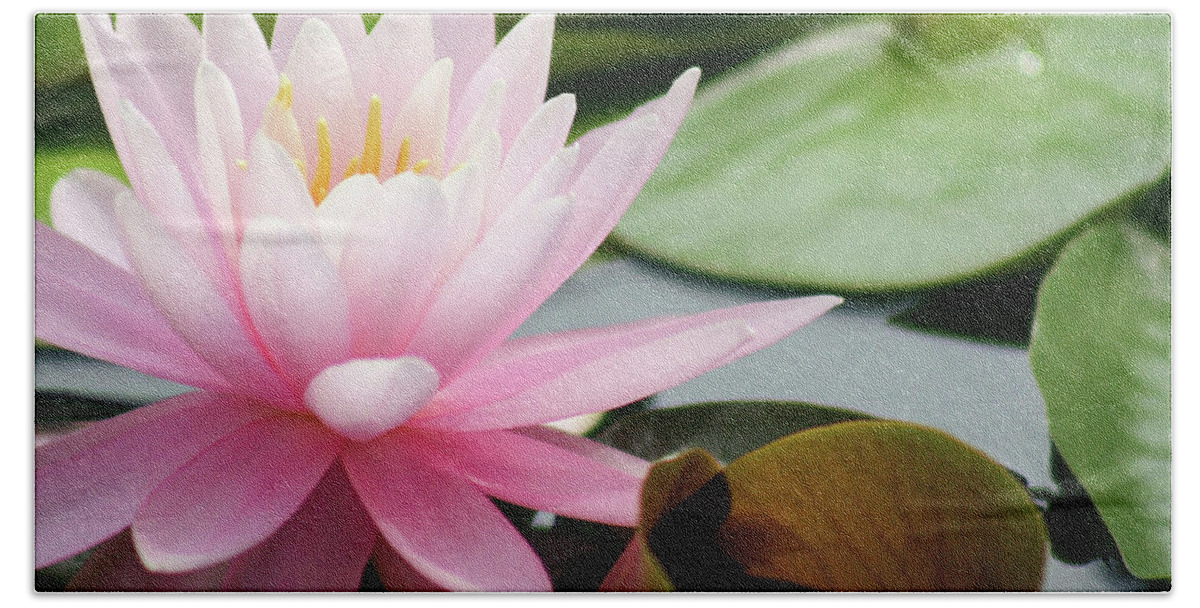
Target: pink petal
323, 547
161, 188
397, 574
347, 27
490, 284
389, 265
481, 125
89, 484
364, 398
522, 60
422, 120
544, 378
603, 199
197, 312
355, 199
275, 187
323, 88
539, 140
222, 144
592, 450
236, 45
467, 39
234, 494
670, 109
115, 566
391, 59
608, 178
84, 303
549, 180
81, 206
441, 525
149, 61
294, 297
528, 472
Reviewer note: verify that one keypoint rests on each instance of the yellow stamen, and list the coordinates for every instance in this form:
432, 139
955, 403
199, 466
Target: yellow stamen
373, 145
279, 123
420, 166
320, 183
241, 163
284, 94
352, 168
405, 152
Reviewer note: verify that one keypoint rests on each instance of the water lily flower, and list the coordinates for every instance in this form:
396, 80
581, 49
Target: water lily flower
332, 239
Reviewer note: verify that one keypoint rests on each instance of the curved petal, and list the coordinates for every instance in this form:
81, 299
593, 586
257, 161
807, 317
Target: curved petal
422, 123
390, 264
222, 144
603, 199
483, 125
365, 398
82, 208
275, 187
396, 574
522, 61
323, 547
467, 39
549, 180
323, 88
441, 525
539, 140
348, 27
150, 62
294, 298
610, 177
160, 187
235, 44
391, 59
530, 473
466, 193
488, 286
234, 494
193, 306
89, 484
355, 199
85, 304
115, 566
592, 450
544, 378
670, 109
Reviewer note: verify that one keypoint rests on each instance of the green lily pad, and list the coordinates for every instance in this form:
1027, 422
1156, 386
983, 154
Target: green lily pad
50, 165
1101, 353
882, 506
870, 158
726, 429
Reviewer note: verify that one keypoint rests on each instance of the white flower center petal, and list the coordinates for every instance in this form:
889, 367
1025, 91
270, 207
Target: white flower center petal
364, 398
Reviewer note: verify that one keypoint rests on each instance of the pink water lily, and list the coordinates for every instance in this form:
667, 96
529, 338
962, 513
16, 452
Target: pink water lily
332, 239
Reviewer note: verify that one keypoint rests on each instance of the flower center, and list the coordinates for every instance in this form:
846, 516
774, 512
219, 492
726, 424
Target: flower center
279, 123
